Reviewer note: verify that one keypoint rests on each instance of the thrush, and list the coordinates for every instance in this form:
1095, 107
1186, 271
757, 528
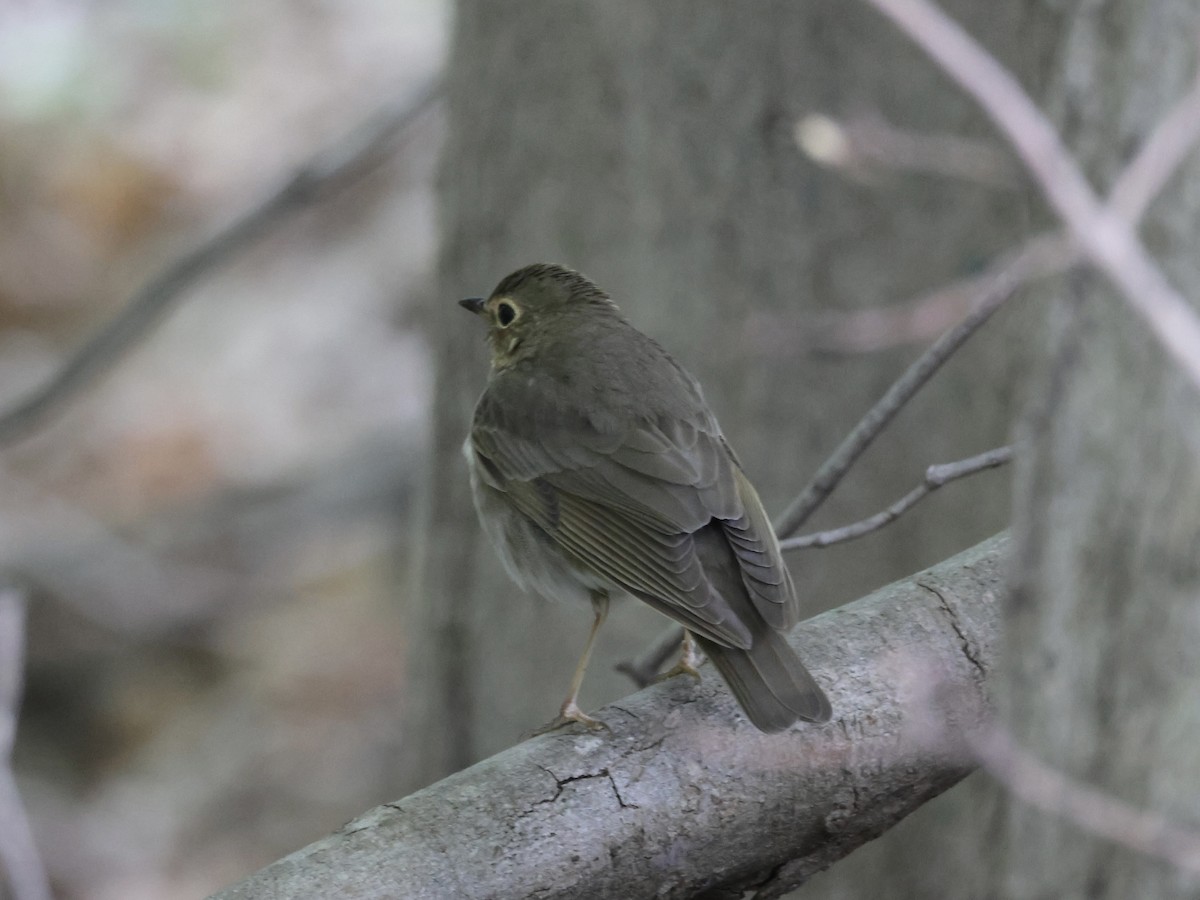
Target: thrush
597, 468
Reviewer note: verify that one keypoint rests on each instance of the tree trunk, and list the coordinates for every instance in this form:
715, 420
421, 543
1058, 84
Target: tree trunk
650, 145
1104, 673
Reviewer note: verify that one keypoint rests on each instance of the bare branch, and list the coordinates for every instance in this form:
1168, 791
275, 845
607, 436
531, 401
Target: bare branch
1135, 188
18, 852
643, 670
1105, 237
12, 656
1044, 255
868, 330
1002, 98
1159, 158
336, 165
896, 325
935, 477
871, 142
684, 797
1040, 255
1095, 811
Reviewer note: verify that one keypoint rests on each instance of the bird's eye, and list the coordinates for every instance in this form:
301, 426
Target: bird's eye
505, 313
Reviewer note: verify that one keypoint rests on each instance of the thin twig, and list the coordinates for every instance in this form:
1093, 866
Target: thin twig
18, 852
1108, 239
12, 651
935, 477
922, 318
1039, 785
1046, 254
1159, 157
643, 670
328, 169
871, 142
1134, 189
1040, 255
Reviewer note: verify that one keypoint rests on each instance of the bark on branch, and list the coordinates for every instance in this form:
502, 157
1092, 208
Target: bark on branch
683, 798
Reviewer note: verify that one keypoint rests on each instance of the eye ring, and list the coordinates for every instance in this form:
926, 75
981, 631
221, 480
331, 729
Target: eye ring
506, 313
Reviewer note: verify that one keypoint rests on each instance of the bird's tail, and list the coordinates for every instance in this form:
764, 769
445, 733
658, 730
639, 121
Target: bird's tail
769, 681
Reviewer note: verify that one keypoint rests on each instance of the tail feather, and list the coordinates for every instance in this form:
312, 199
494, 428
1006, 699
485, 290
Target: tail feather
769, 681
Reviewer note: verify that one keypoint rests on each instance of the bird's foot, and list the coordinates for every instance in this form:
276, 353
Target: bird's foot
683, 667
689, 661
569, 714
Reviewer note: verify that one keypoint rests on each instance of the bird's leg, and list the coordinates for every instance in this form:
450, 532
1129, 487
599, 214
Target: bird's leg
570, 711
689, 660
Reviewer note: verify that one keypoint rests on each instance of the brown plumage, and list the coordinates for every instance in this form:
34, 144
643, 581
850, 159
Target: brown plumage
597, 466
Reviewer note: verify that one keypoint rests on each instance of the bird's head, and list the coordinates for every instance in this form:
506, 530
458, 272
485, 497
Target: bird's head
533, 306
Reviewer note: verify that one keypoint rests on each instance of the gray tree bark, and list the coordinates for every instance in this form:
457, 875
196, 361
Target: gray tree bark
649, 145
1104, 675
684, 798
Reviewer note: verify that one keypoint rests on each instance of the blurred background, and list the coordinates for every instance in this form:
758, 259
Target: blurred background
214, 536
259, 600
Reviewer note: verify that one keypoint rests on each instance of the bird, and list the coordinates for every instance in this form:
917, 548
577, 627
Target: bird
598, 469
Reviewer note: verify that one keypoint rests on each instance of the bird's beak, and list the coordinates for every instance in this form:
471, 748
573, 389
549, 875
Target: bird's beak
472, 304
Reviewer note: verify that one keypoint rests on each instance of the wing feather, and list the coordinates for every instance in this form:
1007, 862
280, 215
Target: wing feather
756, 548
623, 494
653, 566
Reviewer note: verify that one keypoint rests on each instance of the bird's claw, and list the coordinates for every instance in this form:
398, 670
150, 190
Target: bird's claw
570, 714
683, 667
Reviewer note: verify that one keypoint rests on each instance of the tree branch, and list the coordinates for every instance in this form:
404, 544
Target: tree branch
1032, 781
1133, 190
645, 667
328, 169
1039, 255
684, 796
18, 852
871, 142
1105, 236
1046, 254
935, 477
1158, 158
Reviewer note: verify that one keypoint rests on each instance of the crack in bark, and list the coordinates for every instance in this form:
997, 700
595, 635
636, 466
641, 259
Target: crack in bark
560, 785
968, 647
627, 712
617, 792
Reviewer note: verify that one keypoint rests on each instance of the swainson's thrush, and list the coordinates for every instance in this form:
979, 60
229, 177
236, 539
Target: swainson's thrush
597, 468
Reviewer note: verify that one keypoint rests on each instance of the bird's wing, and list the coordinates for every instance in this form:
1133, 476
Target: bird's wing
658, 567
760, 560
624, 496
